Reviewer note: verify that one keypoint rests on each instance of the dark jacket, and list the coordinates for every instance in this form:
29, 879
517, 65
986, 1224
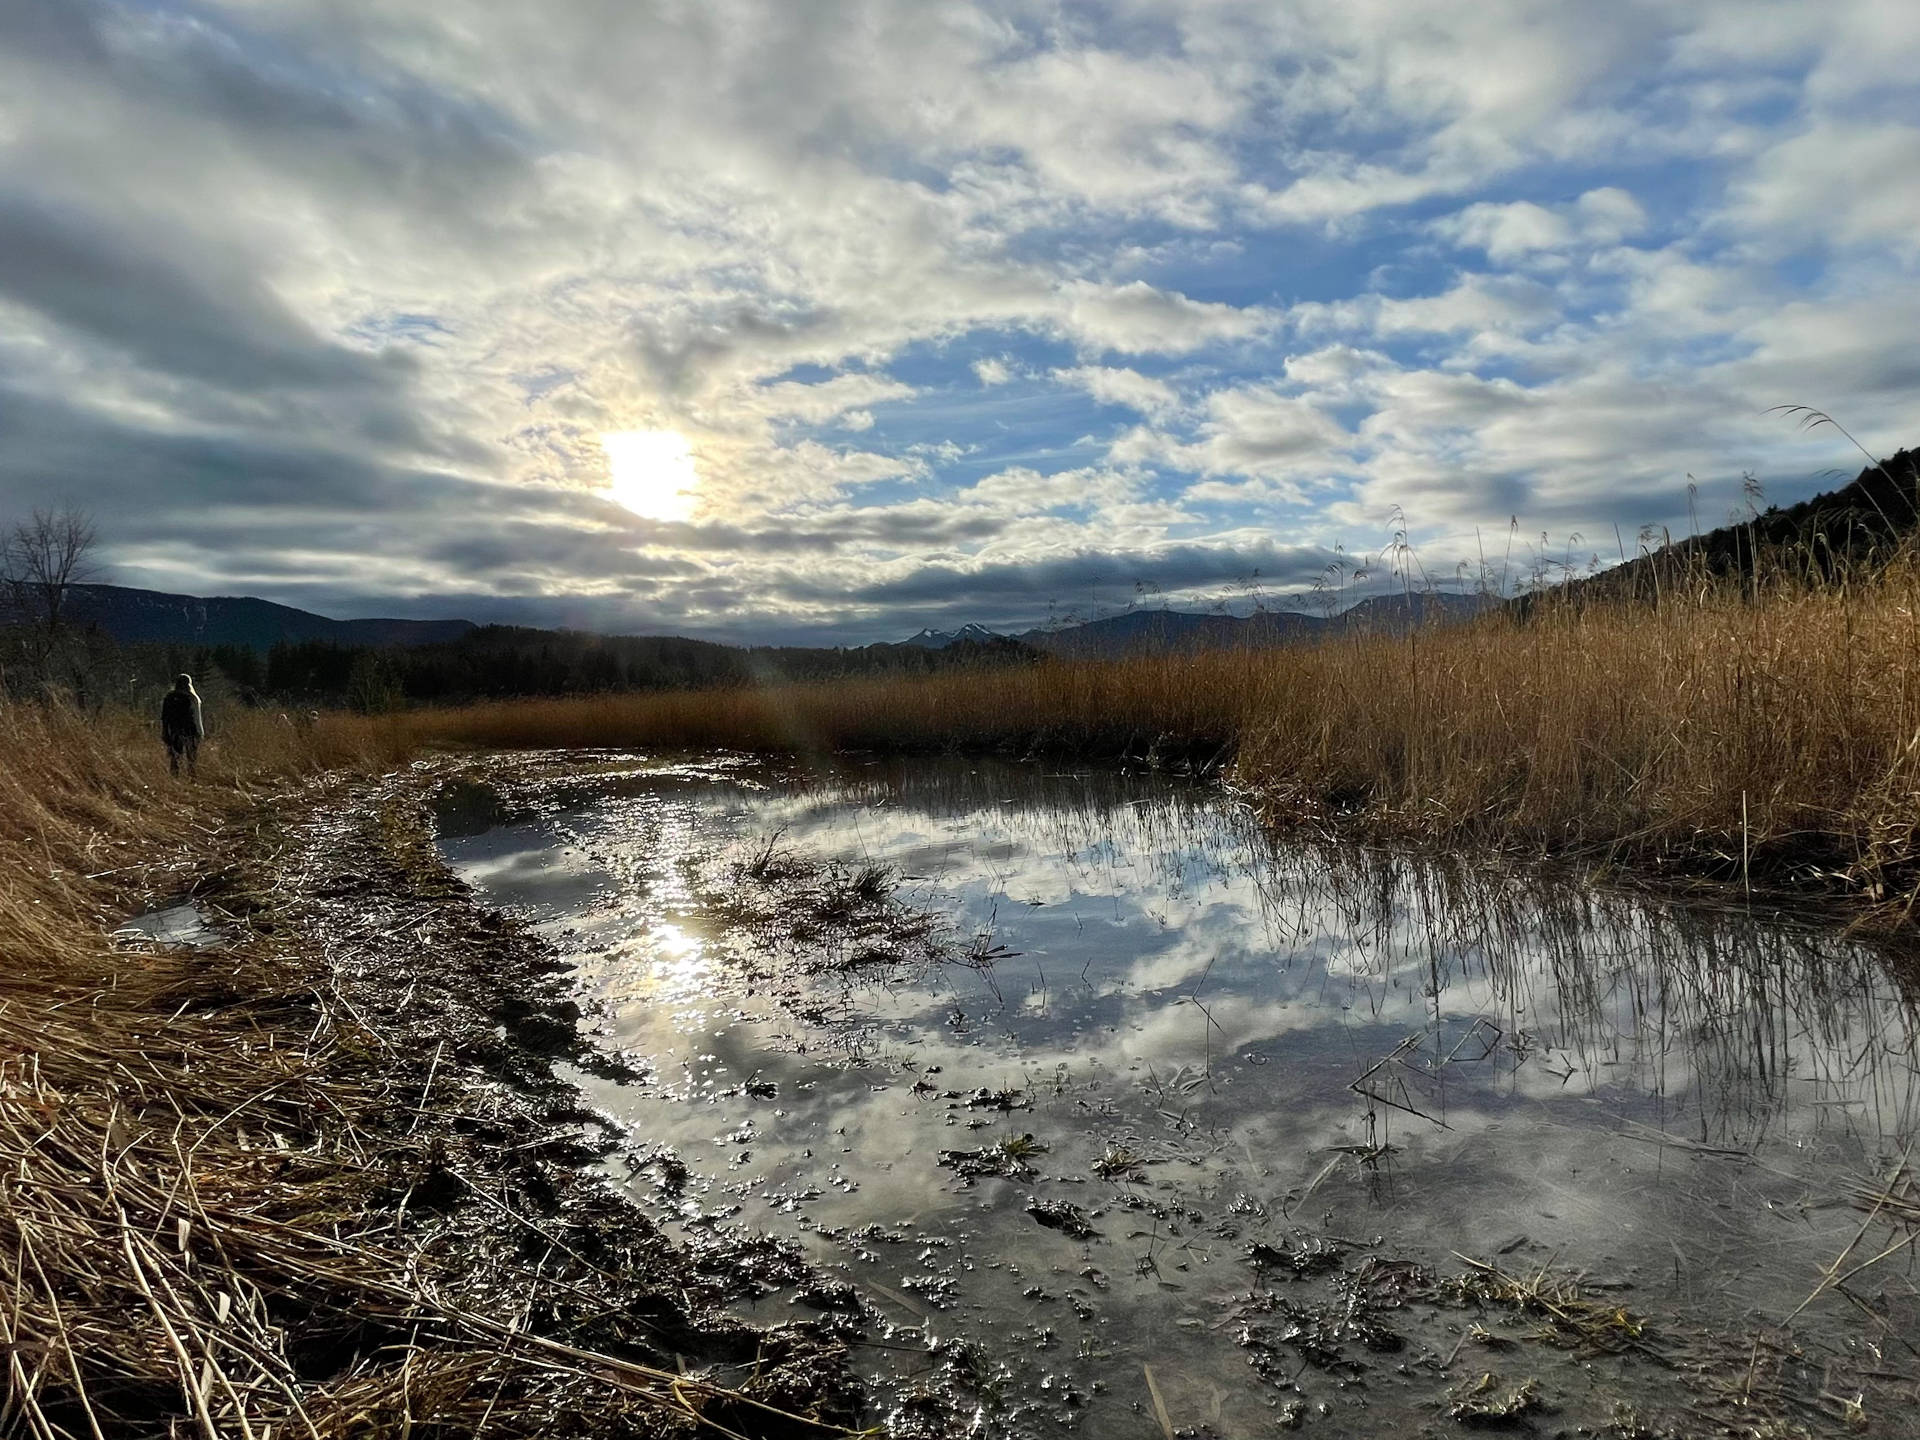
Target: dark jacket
180, 718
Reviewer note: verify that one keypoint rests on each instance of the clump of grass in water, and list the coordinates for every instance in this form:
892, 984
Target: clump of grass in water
1010, 1157
1483, 1401
1572, 1319
873, 883
1020, 1148
795, 906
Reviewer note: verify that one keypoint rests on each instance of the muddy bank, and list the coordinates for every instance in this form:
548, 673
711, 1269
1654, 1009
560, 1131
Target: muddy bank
496, 1170
313, 1174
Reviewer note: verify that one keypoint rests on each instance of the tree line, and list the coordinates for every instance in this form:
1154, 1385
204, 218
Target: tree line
41, 653
496, 662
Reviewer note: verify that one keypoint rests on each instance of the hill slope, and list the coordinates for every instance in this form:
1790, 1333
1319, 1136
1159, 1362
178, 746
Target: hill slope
1862, 521
152, 616
1153, 632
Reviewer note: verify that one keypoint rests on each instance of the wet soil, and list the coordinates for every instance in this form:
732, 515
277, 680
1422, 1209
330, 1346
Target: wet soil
486, 1162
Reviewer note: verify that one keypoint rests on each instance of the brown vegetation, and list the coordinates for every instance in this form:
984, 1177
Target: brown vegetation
1765, 734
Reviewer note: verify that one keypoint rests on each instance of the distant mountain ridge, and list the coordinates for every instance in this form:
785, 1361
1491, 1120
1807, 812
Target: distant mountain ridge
941, 639
135, 617
1148, 632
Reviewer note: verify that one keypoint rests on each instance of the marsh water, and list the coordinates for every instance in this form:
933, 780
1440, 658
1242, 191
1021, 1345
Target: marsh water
1105, 1112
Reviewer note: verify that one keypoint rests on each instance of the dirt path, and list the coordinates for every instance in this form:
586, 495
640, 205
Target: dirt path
327, 1183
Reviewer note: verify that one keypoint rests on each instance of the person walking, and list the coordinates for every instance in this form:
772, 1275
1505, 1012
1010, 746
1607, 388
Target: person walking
181, 726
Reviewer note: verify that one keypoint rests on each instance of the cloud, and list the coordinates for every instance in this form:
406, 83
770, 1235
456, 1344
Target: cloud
89, 280
1519, 229
1121, 387
827, 400
1022, 491
1507, 232
1139, 319
333, 298
1477, 304
1609, 215
1089, 577
1798, 194
1257, 430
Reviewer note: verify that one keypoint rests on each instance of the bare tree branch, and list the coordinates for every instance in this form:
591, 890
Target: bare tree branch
41, 559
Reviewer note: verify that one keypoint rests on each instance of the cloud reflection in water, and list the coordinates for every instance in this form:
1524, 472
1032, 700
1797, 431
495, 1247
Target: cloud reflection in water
1591, 1071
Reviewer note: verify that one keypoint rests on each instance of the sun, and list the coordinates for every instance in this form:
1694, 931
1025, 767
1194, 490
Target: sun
651, 472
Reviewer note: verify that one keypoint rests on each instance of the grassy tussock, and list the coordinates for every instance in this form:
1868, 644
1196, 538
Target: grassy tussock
1774, 736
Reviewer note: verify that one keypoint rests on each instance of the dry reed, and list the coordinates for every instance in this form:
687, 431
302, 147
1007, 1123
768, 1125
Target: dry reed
1767, 735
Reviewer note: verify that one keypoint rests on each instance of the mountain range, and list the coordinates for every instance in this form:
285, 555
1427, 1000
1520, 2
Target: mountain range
941, 639
133, 616
1147, 632
153, 616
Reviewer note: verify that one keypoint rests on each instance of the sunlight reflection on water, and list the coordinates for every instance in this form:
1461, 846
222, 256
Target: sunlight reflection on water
1448, 1057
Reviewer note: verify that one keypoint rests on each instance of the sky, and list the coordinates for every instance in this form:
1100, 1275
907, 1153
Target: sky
827, 321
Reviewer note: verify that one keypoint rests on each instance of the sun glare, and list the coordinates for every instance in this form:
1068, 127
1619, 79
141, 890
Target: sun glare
651, 472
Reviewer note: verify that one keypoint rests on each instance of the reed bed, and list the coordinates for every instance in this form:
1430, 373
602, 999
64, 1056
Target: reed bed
1762, 735
1085, 708
90, 818
90, 1041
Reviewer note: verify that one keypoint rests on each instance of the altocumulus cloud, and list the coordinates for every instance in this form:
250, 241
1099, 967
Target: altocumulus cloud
964, 312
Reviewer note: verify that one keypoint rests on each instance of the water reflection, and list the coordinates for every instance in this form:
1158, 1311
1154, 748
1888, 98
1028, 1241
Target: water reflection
1450, 1057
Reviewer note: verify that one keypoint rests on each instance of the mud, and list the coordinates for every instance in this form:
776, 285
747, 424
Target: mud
494, 1164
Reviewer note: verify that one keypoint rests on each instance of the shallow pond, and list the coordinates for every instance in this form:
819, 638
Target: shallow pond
1160, 1126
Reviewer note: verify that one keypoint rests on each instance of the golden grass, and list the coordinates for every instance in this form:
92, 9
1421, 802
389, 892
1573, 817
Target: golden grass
86, 799
1774, 737
90, 1039
1085, 708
